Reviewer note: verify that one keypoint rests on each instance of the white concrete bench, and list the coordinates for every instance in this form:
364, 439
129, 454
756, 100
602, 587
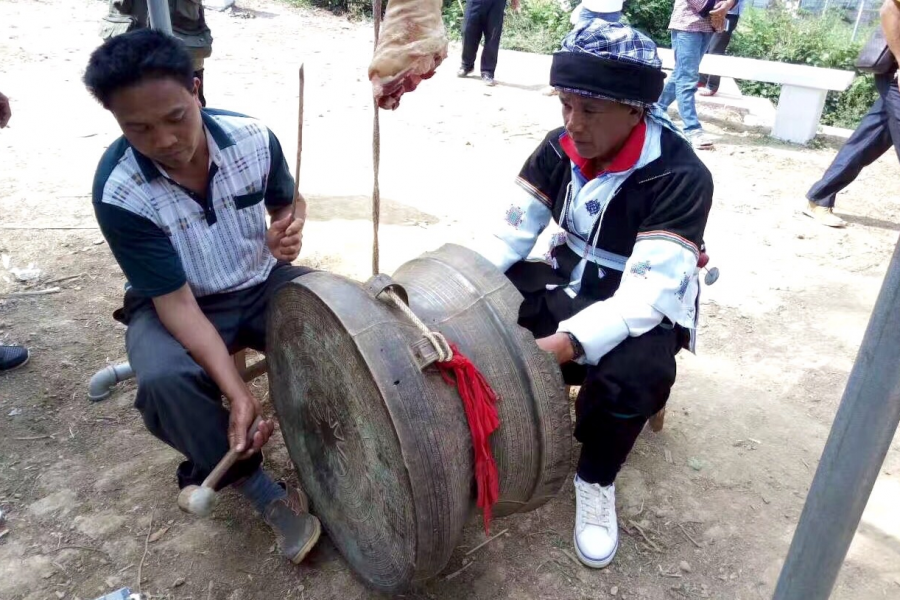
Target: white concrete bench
803, 88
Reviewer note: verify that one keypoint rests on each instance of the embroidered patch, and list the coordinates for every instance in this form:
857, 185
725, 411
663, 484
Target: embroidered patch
559, 238
641, 269
593, 207
515, 216
682, 287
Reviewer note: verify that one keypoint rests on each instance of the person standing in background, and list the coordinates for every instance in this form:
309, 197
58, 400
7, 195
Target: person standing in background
709, 84
11, 357
608, 10
483, 19
876, 133
692, 27
188, 25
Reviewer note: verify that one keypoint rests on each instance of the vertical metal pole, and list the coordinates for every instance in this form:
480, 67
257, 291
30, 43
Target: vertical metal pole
159, 15
862, 4
859, 440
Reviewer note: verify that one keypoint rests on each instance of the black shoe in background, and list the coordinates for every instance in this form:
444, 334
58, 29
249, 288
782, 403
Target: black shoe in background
12, 357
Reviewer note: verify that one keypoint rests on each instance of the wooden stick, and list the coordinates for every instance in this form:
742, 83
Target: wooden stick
297, 197
664, 574
299, 130
87, 548
144, 557
54, 290
453, 575
61, 279
644, 535
688, 536
571, 557
486, 542
32, 438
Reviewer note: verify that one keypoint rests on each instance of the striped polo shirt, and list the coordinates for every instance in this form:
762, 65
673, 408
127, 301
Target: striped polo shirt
164, 235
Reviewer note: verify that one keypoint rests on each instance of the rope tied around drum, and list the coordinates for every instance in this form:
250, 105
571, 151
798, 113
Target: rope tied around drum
437, 339
479, 401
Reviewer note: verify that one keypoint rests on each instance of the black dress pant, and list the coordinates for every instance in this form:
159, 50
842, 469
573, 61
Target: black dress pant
618, 395
483, 19
717, 45
180, 403
877, 132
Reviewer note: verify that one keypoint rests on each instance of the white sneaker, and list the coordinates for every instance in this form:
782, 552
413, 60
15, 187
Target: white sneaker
596, 529
824, 215
699, 140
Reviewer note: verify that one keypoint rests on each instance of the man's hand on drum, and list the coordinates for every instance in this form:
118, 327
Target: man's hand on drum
560, 345
243, 412
285, 234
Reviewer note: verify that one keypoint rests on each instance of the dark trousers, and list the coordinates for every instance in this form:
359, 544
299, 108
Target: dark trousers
877, 132
718, 45
180, 403
618, 395
483, 18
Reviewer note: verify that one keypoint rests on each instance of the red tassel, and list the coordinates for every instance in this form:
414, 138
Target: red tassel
480, 403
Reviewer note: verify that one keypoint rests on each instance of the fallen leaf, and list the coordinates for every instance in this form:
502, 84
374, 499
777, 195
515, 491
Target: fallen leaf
158, 534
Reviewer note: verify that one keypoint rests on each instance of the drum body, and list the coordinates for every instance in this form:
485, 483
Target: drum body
380, 441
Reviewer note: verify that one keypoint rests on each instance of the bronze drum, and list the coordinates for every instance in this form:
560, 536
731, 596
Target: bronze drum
380, 440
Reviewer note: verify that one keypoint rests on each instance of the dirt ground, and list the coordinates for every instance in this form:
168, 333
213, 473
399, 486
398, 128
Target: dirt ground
717, 493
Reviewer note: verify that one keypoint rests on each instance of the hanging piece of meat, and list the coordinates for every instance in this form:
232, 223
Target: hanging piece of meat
411, 45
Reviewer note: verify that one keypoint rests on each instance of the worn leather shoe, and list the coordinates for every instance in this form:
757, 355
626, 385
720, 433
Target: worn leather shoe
295, 529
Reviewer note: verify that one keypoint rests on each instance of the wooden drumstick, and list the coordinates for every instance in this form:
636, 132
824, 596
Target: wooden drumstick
297, 197
200, 500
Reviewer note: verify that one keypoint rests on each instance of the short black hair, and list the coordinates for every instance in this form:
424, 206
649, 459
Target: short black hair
128, 59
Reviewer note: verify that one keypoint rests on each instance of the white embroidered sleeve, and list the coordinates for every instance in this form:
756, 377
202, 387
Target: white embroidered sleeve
514, 234
660, 280
662, 272
604, 325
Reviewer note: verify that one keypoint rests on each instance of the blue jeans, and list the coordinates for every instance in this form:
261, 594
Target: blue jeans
613, 17
877, 132
689, 47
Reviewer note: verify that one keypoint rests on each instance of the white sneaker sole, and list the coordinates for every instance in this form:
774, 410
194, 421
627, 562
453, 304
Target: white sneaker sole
836, 225
594, 563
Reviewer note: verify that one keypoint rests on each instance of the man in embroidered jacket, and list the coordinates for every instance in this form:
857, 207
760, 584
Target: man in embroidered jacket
615, 298
182, 200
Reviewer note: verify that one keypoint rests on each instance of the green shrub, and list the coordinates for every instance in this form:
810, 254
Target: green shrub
651, 17
819, 41
539, 27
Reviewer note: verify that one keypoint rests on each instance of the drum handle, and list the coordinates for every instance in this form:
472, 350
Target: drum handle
434, 347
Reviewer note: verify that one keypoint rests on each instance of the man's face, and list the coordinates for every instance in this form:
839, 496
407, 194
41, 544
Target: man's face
597, 127
161, 119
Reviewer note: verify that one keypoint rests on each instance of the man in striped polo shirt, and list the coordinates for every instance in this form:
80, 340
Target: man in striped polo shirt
182, 200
